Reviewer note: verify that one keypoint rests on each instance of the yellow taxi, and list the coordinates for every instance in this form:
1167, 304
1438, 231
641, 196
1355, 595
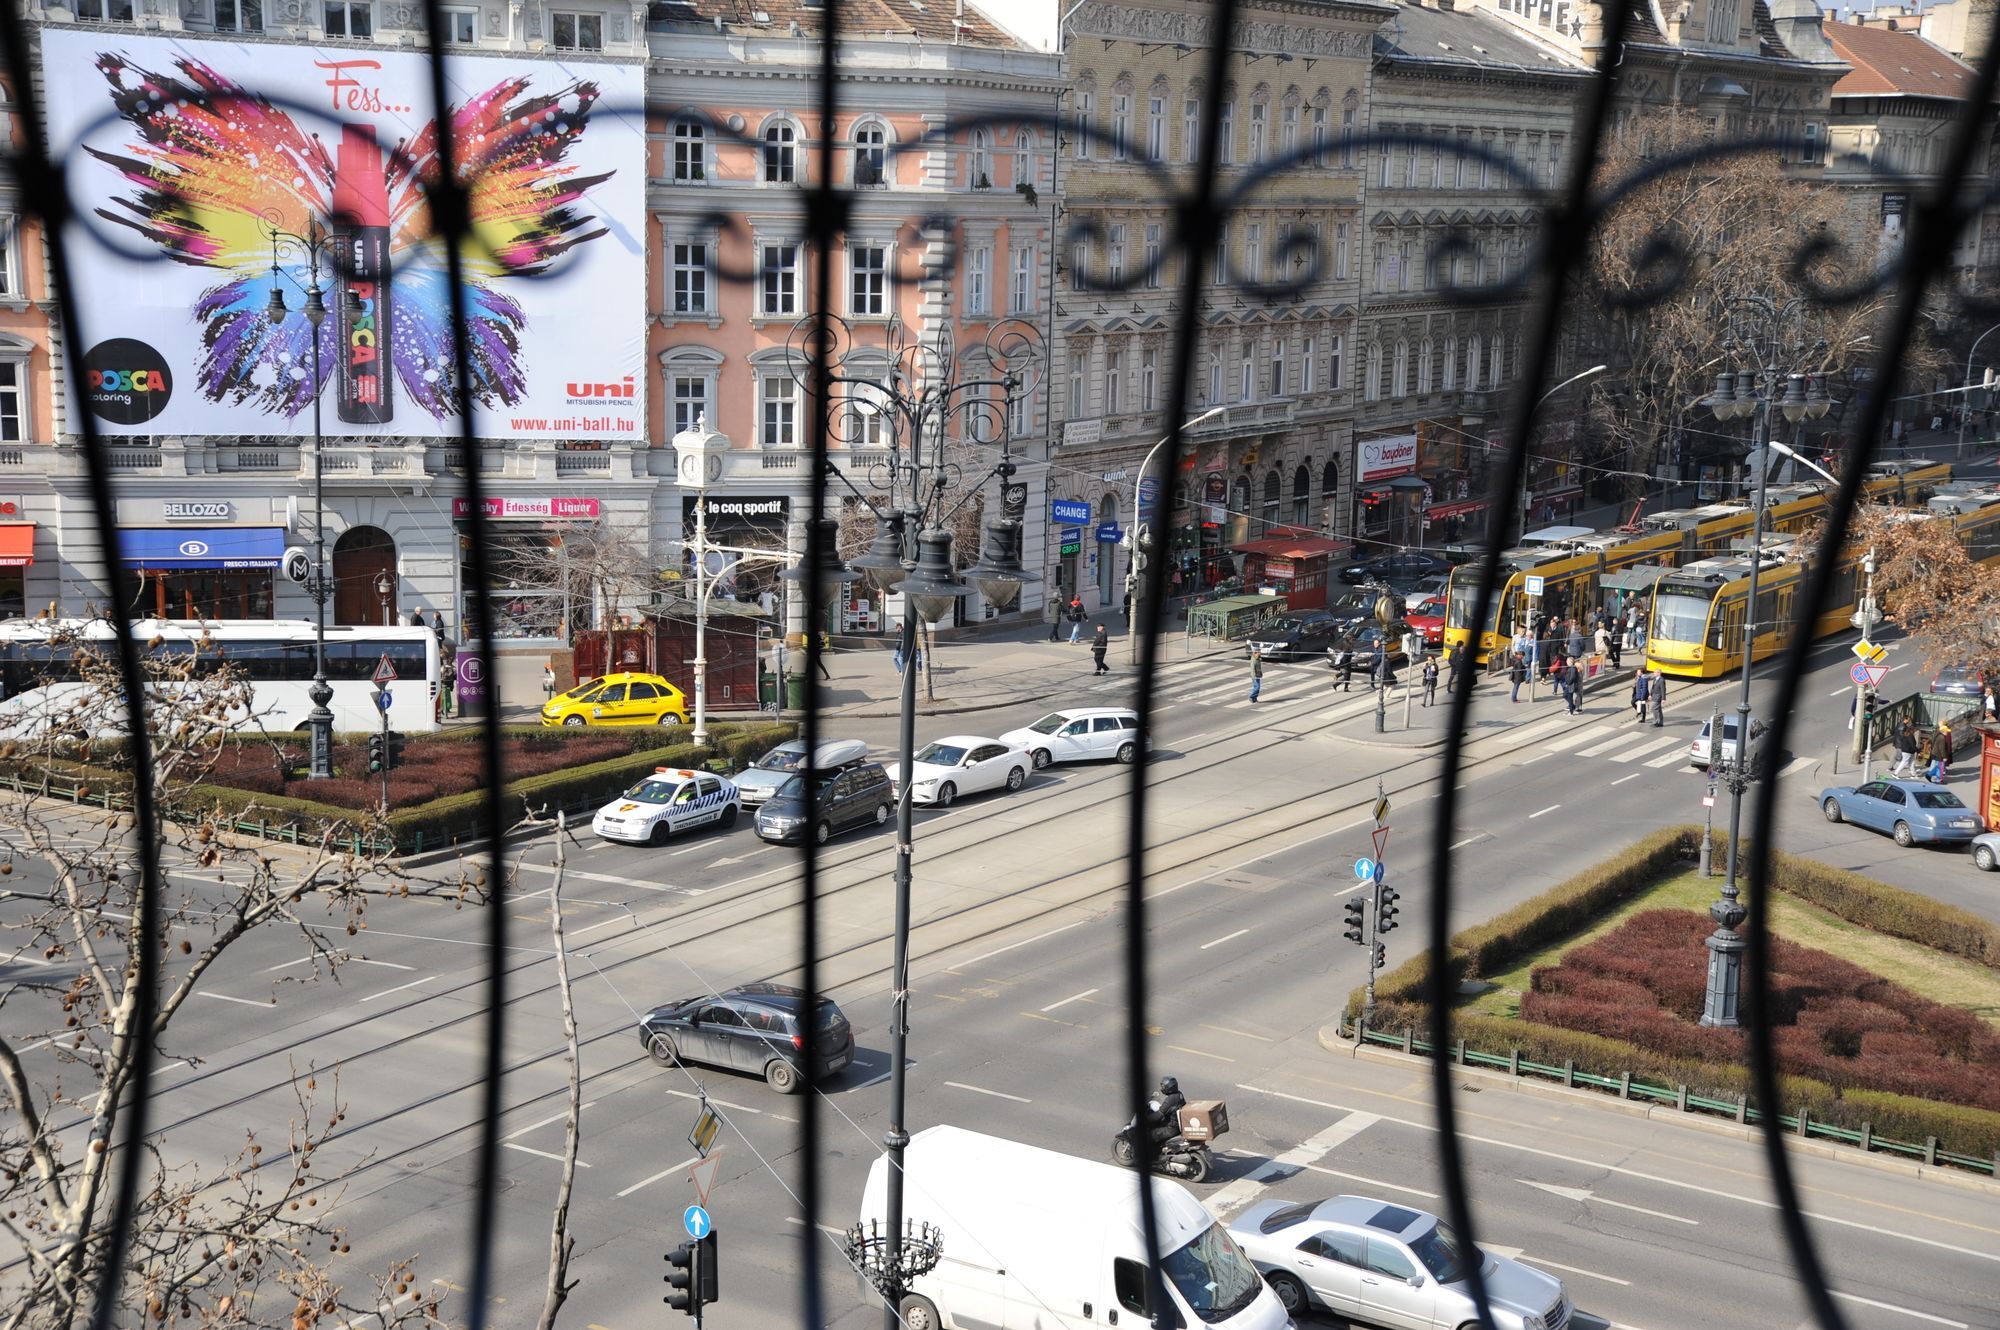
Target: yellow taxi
618, 699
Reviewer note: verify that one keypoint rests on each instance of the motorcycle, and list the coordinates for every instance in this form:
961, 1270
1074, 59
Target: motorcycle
1184, 1156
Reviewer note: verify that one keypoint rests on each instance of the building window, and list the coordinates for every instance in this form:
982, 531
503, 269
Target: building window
11, 418
1115, 257
1450, 363
1301, 497
1333, 366
781, 153
1114, 383
690, 150
1079, 264
1412, 165
1486, 163
1259, 130
691, 394
1347, 138
1153, 255
1472, 380
9, 283
1319, 136
1222, 255
868, 279
1288, 131
343, 18
1149, 380
780, 279
1340, 251
1253, 252
104, 11
1024, 159
1246, 379
690, 278
1076, 388
246, 16
1278, 367
1810, 152
1401, 378
1382, 174
1156, 129
979, 164
1371, 373
1555, 160
1307, 365
461, 26
1458, 164
1424, 350
1214, 394
1190, 129
866, 425
577, 32
1018, 418
1021, 292
978, 278
1121, 125
1086, 116
871, 155
778, 411
1225, 131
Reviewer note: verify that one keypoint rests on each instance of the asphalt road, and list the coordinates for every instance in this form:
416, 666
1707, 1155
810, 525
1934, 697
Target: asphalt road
1017, 1009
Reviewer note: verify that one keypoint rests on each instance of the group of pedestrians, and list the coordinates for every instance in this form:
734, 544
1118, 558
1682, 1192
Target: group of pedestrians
1925, 751
1649, 692
1057, 612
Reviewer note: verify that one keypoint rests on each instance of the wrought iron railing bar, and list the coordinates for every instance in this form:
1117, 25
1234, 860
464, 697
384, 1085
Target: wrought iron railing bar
450, 206
1567, 229
1197, 222
45, 194
1927, 252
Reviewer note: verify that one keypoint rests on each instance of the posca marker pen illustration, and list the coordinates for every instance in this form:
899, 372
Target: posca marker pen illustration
361, 249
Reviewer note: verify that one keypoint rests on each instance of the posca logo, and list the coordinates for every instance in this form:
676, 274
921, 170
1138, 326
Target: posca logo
126, 381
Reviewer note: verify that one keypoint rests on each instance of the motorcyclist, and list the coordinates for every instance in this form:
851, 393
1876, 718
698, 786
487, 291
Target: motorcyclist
1165, 1107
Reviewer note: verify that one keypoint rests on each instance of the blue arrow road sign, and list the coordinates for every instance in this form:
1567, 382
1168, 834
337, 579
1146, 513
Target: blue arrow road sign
1364, 869
382, 701
696, 1220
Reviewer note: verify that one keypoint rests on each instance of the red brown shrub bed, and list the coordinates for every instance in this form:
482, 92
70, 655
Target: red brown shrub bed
432, 766
1835, 1022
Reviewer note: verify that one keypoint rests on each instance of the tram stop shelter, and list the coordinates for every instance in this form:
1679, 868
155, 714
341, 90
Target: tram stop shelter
1297, 567
1233, 616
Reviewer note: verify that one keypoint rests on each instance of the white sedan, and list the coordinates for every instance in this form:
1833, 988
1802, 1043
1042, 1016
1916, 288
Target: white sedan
962, 764
665, 803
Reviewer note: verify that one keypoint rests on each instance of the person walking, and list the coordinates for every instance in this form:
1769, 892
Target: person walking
1430, 680
1906, 749
1052, 611
1256, 673
1639, 690
1077, 618
1343, 663
1100, 642
1602, 641
1988, 700
1926, 755
1575, 643
825, 650
548, 679
1656, 692
1632, 625
1517, 674
1941, 752
1573, 689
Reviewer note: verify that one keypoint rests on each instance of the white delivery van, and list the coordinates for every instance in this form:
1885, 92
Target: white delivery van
1035, 1240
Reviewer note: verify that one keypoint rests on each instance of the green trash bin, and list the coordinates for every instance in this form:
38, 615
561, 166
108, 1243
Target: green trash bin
795, 692
767, 689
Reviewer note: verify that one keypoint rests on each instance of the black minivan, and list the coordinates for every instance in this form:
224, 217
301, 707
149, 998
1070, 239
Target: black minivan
855, 797
752, 1028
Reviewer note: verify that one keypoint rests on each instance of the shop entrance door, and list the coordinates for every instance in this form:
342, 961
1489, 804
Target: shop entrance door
361, 555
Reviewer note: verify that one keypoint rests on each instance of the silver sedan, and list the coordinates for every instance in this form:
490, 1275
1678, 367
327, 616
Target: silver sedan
1388, 1265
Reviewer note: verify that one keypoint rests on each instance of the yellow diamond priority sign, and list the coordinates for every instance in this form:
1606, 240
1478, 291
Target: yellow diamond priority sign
1870, 653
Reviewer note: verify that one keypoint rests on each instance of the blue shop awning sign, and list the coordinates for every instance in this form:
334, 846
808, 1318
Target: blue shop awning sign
191, 547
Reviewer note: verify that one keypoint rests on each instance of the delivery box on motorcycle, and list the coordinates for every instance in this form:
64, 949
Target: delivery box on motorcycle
1203, 1120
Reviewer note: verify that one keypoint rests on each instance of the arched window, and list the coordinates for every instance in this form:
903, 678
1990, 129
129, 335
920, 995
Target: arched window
691, 373
1472, 380
1272, 486
1424, 365
1402, 377
1024, 158
1302, 496
1450, 363
979, 160
871, 154
781, 149
1496, 361
1371, 373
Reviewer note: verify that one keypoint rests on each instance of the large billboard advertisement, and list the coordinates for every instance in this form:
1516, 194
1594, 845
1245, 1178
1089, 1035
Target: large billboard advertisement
207, 173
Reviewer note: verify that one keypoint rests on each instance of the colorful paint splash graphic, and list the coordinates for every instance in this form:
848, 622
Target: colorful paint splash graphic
215, 167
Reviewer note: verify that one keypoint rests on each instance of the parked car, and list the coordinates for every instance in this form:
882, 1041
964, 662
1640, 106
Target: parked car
1367, 643
1958, 681
1426, 616
1402, 569
1390, 1265
1986, 851
1081, 734
1352, 607
759, 781
1915, 812
962, 764
1291, 636
754, 1028
618, 699
666, 802
852, 798
1698, 748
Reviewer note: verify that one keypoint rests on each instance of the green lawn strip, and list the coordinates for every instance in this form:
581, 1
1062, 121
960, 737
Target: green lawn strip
1929, 973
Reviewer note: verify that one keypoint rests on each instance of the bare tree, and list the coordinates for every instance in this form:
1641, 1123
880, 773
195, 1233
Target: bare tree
1927, 582
243, 1240
561, 1243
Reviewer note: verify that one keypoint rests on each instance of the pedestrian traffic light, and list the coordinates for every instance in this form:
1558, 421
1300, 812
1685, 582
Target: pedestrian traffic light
1355, 908
1385, 910
684, 1278
705, 1267
378, 753
392, 749
1380, 959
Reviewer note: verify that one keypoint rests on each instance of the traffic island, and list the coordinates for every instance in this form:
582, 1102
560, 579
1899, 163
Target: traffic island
1597, 984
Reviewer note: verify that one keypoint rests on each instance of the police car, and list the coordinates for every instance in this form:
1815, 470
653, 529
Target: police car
668, 801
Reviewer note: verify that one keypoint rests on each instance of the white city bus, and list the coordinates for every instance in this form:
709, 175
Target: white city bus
274, 657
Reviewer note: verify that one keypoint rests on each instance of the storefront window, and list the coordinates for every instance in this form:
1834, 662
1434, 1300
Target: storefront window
529, 567
206, 594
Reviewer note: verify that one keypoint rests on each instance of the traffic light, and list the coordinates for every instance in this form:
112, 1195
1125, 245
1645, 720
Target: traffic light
392, 750
1380, 959
1385, 910
378, 753
684, 1278
1355, 909
705, 1268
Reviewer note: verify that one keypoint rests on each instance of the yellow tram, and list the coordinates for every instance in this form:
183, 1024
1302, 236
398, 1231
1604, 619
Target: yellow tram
1572, 562
1697, 623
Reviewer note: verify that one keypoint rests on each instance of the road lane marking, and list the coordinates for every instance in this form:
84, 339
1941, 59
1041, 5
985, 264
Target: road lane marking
248, 1002
399, 988
1622, 779
1219, 941
1797, 764
1192, 737
531, 1150
1673, 743
1575, 737
663, 1173
1073, 997
1575, 1270
1892, 1307
1607, 745
387, 965
615, 880
1467, 841
979, 1089
734, 1108
553, 1117
603, 923
286, 965
1239, 1192
1195, 1052
1672, 757
1241, 1034
1601, 1166
1011, 946
1373, 1182
1580, 1195
1550, 809
1055, 1020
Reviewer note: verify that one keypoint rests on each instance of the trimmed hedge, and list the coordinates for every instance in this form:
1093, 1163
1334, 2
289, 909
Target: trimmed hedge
1881, 908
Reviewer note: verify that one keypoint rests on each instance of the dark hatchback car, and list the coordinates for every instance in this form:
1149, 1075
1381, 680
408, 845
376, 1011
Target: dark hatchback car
753, 1029
1293, 635
1398, 570
855, 797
